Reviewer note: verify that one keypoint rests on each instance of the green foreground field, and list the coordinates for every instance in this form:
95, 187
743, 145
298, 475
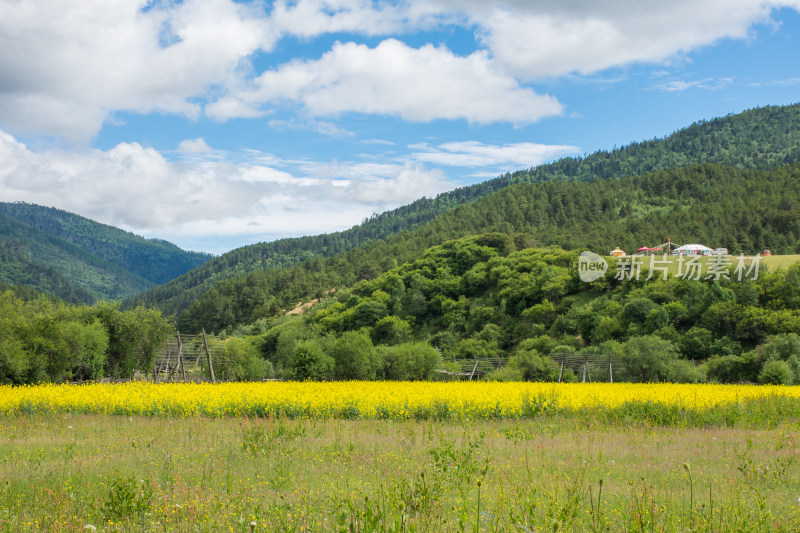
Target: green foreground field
116, 473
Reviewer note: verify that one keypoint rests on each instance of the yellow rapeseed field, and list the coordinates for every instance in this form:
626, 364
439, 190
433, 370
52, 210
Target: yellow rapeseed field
370, 400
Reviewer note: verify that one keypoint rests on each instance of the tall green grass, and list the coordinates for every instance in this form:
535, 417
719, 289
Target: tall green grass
634, 468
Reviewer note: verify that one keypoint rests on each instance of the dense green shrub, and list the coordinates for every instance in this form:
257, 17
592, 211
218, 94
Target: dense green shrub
505, 373
244, 361
310, 361
409, 361
785, 348
391, 330
534, 367
354, 356
776, 372
649, 359
42, 341
682, 371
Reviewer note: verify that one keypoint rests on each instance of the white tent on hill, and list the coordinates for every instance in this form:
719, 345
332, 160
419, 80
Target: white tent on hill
692, 249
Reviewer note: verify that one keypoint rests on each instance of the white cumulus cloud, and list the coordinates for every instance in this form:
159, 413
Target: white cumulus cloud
540, 39
68, 64
479, 155
191, 201
418, 84
194, 146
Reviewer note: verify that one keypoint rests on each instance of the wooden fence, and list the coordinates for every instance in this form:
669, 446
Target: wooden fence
473, 368
587, 365
190, 358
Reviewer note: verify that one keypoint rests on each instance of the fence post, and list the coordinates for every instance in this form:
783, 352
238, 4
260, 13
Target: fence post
157, 367
208, 356
171, 371
588, 372
474, 369
180, 357
162, 367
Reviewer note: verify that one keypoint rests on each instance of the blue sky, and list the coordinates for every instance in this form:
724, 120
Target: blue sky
215, 124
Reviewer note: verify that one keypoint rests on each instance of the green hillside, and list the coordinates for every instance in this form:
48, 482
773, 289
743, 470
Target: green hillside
79, 260
155, 260
483, 298
28, 277
742, 210
760, 138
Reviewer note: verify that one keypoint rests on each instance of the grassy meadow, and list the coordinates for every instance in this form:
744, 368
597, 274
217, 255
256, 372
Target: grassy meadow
677, 266
775, 262
635, 465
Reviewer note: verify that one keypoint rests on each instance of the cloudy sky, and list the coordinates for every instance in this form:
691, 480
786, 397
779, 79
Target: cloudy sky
215, 124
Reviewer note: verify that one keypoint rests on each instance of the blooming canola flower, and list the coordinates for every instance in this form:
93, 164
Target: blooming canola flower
367, 399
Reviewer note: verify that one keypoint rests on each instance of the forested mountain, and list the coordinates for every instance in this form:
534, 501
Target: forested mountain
21, 272
482, 272
481, 298
760, 138
742, 210
26, 294
155, 260
79, 260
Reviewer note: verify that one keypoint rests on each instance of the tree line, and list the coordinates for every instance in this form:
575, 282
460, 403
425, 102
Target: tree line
46, 340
